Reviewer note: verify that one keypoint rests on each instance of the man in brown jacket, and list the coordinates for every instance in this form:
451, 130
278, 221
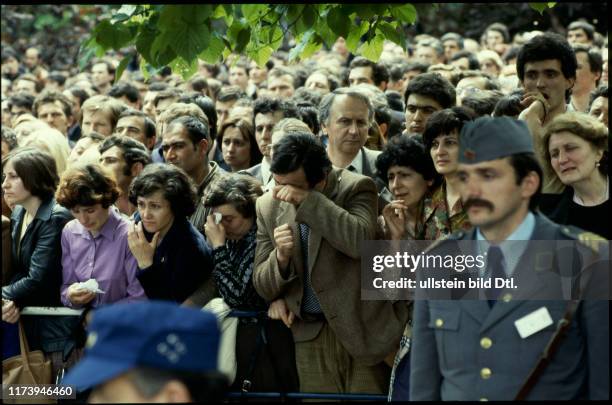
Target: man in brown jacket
307, 261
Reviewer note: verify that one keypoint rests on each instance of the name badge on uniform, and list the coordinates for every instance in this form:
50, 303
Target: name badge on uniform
533, 322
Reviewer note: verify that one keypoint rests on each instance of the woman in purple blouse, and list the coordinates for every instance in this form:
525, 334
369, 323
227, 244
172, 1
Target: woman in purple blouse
94, 244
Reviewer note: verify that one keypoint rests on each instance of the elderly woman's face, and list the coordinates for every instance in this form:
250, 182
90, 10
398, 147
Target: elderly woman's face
572, 158
407, 184
235, 224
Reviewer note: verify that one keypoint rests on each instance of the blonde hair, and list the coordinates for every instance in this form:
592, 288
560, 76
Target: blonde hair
53, 142
583, 126
176, 110
489, 54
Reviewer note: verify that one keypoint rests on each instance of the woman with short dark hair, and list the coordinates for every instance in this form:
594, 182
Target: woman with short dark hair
232, 235
173, 257
409, 173
443, 210
94, 244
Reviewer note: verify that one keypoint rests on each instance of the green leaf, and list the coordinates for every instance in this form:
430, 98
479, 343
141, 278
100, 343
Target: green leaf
124, 13
365, 11
184, 68
389, 32
373, 48
308, 16
312, 47
293, 12
144, 69
219, 12
261, 55
338, 21
86, 53
213, 50
540, 7
301, 42
144, 41
189, 40
113, 36
122, 65
233, 32
252, 12
243, 39
406, 13
352, 42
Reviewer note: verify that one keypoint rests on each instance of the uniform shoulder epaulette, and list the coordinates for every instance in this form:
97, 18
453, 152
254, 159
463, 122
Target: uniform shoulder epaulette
588, 239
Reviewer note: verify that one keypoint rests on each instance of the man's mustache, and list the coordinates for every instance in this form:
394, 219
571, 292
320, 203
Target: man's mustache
478, 202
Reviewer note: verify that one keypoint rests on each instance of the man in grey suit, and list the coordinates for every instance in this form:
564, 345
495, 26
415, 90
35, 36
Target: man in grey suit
485, 349
346, 116
309, 232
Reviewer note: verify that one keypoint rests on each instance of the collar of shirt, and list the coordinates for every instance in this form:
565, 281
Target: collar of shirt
357, 163
266, 175
514, 246
108, 229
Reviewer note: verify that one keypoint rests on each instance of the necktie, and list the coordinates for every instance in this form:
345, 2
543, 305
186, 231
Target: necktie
310, 303
495, 269
352, 168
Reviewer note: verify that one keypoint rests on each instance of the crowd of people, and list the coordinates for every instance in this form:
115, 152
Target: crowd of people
258, 185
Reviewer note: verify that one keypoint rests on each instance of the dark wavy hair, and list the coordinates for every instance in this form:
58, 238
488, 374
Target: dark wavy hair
444, 122
544, 47
432, 85
239, 190
86, 185
172, 181
36, 168
301, 149
406, 151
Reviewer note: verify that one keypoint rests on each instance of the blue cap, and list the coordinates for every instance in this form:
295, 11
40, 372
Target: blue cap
156, 334
491, 138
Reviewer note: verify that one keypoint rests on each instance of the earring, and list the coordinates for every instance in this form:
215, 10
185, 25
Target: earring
597, 164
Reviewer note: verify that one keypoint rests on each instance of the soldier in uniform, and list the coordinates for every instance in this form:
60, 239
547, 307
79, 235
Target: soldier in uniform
481, 349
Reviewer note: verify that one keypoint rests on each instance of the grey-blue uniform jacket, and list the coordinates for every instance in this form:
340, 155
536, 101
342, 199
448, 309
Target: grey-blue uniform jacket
465, 350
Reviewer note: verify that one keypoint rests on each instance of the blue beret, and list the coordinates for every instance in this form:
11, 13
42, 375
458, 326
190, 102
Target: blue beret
155, 334
490, 138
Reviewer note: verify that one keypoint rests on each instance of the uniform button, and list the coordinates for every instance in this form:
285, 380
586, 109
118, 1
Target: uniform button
485, 373
439, 323
507, 297
485, 342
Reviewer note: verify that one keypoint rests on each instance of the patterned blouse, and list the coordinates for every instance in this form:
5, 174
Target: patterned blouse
233, 273
437, 223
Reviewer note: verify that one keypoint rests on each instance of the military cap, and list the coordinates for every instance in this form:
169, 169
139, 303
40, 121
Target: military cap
490, 138
153, 334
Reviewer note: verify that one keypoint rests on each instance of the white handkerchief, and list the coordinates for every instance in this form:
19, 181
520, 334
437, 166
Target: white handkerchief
91, 285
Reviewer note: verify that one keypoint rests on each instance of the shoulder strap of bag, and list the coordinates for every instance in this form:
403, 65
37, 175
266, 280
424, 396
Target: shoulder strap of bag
25, 349
549, 351
260, 342
554, 342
